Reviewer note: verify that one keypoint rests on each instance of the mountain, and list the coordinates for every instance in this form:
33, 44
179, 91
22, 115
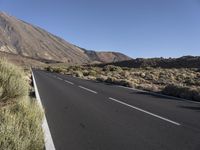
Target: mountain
182, 62
20, 38
105, 56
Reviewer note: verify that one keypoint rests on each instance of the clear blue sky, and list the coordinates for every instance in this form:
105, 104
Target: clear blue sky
138, 28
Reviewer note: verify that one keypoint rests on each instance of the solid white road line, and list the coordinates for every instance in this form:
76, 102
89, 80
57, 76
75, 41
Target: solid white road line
144, 111
69, 82
49, 145
88, 89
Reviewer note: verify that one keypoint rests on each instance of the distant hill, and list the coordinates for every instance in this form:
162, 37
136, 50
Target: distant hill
182, 62
106, 56
26, 40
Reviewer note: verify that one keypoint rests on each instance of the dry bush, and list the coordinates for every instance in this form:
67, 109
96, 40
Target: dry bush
20, 127
12, 82
78, 74
49, 68
112, 68
123, 82
102, 78
148, 87
20, 117
56, 69
76, 68
125, 74
182, 92
90, 77
146, 78
85, 72
92, 73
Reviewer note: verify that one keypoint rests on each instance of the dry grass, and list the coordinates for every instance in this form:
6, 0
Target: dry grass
12, 82
20, 126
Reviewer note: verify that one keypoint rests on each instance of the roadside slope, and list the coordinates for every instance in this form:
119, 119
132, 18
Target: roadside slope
20, 127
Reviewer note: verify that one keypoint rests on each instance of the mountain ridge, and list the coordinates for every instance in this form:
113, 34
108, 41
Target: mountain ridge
27, 40
181, 62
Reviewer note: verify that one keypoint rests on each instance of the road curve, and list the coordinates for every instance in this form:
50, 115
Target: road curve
88, 115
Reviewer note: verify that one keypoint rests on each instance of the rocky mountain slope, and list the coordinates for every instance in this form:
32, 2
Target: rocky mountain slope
105, 56
21, 38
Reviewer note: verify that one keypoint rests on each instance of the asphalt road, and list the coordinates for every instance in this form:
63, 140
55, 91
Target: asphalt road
88, 115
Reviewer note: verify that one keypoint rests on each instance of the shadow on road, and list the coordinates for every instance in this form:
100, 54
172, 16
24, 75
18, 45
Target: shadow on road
155, 95
195, 108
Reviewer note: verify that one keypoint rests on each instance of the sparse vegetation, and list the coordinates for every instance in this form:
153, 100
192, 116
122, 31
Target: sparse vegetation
78, 74
55, 69
179, 82
20, 126
185, 61
12, 82
182, 92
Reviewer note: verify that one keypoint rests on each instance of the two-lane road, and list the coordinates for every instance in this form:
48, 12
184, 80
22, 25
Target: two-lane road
88, 115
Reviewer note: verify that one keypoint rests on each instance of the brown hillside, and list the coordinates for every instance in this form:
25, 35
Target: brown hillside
24, 39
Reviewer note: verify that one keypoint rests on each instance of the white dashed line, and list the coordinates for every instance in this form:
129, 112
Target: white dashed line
59, 78
69, 82
144, 111
88, 89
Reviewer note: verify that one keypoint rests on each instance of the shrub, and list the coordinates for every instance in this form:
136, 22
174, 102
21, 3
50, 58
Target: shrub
142, 74
123, 82
148, 68
110, 80
112, 68
12, 82
20, 127
125, 74
92, 73
147, 78
49, 68
55, 69
20, 117
182, 92
78, 74
90, 78
192, 81
85, 73
76, 68
148, 87
102, 78
58, 70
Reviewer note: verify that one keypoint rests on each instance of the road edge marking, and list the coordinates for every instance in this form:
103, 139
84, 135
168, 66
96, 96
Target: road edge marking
87, 89
144, 111
49, 145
